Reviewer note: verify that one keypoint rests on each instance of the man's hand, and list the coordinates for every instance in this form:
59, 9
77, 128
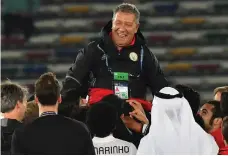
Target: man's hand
140, 116
83, 103
138, 112
136, 105
131, 123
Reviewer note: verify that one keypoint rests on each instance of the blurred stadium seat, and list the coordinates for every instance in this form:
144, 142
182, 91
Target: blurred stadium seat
71, 39
167, 8
183, 51
178, 67
36, 70
77, 9
192, 20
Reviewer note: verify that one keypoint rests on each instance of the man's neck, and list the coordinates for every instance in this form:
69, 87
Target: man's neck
12, 116
119, 48
43, 109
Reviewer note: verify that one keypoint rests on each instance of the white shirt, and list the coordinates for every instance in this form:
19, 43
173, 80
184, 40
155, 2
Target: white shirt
1, 116
113, 146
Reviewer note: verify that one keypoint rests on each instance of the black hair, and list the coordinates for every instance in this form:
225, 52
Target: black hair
101, 119
224, 103
192, 96
47, 89
217, 113
11, 94
121, 105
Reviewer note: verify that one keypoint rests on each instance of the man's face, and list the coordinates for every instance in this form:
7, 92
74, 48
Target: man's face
217, 96
206, 114
124, 27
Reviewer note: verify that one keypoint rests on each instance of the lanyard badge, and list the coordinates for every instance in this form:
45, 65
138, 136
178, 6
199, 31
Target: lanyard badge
121, 79
120, 84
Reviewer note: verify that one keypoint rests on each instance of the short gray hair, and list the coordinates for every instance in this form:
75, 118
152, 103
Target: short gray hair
11, 93
127, 8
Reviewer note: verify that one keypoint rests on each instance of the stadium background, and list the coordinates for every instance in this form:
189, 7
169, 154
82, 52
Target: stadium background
189, 39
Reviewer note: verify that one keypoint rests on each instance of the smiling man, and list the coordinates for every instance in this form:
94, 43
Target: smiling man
212, 117
119, 63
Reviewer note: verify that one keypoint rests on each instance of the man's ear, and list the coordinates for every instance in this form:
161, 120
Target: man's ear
36, 100
137, 27
60, 99
217, 122
17, 105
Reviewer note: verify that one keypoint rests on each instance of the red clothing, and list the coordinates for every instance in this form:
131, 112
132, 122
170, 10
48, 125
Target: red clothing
217, 134
223, 151
133, 41
96, 94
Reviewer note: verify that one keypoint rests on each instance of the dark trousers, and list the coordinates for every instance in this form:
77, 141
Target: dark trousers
14, 22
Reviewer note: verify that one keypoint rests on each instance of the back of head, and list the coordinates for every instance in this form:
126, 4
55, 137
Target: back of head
172, 118
173, 105
225, 129
114, 101
31, 113
101, 119
191, 96
218, 91
47, 89
167, 94
11, 94
224, 103
221, 89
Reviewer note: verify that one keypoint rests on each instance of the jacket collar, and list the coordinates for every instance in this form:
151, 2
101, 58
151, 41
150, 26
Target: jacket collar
105, 139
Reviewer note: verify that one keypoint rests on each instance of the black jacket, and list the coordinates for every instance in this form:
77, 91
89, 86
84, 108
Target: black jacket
90, 66
8, 126
53, 135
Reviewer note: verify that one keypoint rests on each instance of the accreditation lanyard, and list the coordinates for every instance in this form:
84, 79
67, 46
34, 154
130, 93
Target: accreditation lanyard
141, 63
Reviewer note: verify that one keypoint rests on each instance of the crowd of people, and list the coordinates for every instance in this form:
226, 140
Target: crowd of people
114, 72
175, 126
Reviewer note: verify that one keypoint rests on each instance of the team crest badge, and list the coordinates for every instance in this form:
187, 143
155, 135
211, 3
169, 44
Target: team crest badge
133, 56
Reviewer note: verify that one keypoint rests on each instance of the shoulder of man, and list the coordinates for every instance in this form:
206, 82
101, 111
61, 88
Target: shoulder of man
10, 124
92, 49
77, 123
94, 45
147, 50
19, 132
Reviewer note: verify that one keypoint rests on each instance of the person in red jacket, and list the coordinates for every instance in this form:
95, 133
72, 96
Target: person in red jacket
212, 117
224, 150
